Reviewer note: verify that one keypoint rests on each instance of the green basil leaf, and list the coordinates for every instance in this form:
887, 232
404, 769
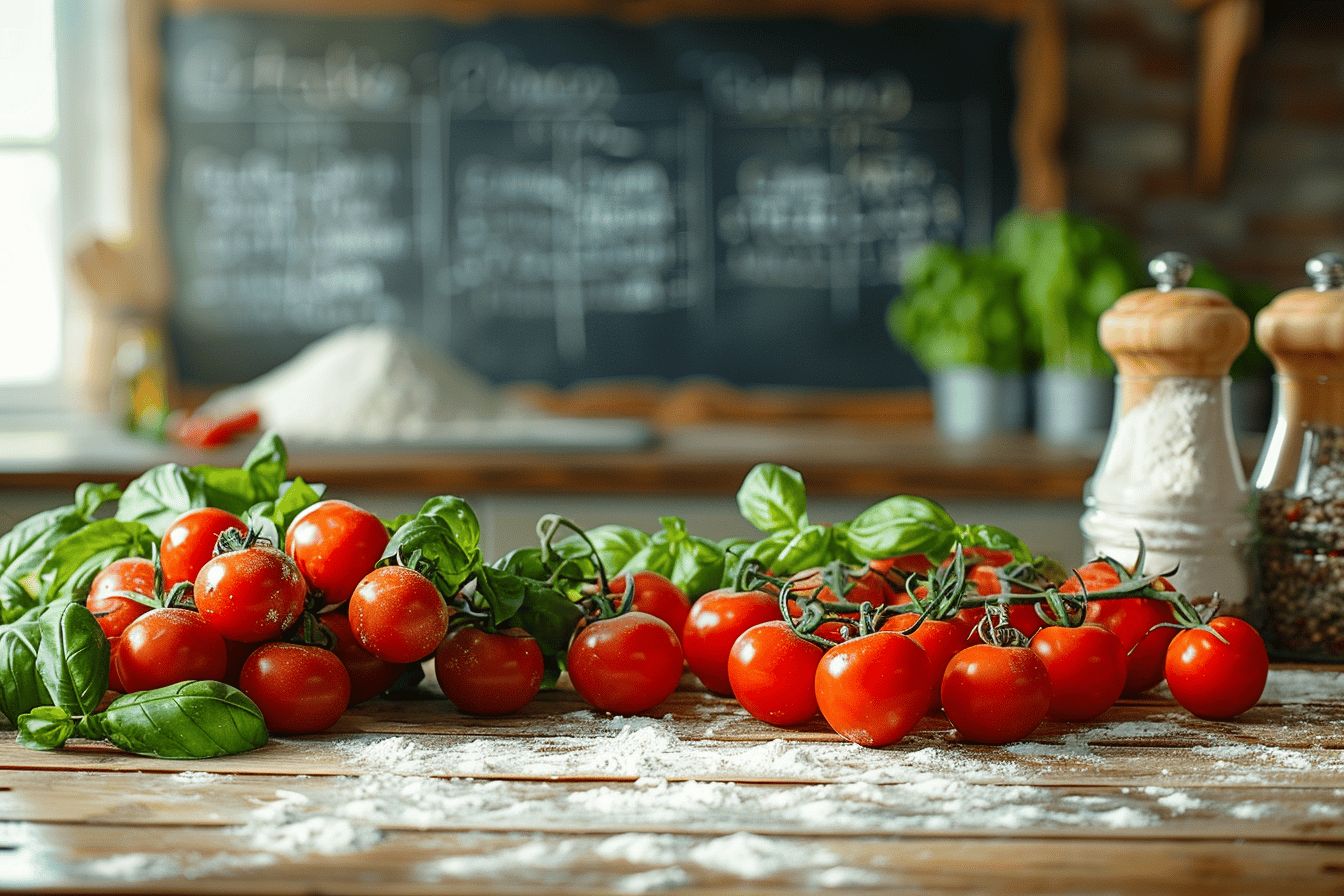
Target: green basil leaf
296, 497
656, 556
811, 547
161, 495
764, 552
45, 728
440, 557
236, 489
90, 496
459, 516
615, 545
69, 569
994, 538
772, 498
267, 461
24, 549
525, 562
503, 593
21, 687
72, 657
697, 566
901, 525
190, 720
548, 616
15, 601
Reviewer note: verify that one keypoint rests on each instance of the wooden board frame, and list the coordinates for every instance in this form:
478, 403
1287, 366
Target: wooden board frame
1038, 121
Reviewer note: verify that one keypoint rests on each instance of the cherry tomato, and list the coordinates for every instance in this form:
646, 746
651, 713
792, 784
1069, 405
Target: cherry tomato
489, 674
250, 595
1214, 680
995, 695
114, 612
190, 541
398, 615
656, 596
870, 586
166, 646
773, 673
369, 676
1087, 668
986, 579
336, 545
941, 639
908, 563
714, 623
626, 664
299, 689
874, 689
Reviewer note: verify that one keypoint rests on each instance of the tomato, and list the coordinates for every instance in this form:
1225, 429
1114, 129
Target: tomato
201, 431
714, 623
114, 613
874, 689
626, 664
656, 596
916, 564
1214, 680
995, 695
1087, 669
250, 595
941, 639
773, 672
113, 675
190, 541
398, 615
489, 674
237, 653
1023, 617
336, 545
369, 676
870, 586
166, 646
299, 689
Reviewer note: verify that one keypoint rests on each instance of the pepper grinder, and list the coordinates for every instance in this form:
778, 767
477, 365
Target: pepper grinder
1171, 473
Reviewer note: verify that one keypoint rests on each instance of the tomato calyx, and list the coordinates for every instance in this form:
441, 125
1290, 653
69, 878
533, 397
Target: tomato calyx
996, 628
600, 605
178, 596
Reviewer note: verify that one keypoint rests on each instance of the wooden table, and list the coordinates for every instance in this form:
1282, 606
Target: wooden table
409, 796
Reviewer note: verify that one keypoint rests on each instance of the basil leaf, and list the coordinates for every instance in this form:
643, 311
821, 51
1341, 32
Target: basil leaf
614, 544
297, 497
459, 516
548, 616
160, 495
994, 538
21, 688
259, 479
69, 569
24, 549
45, 728
697, 563
90, 496
901, 525
656, 556
764, 552
189, 720
772, 499
72, 657
502, 592
431, 541
811, 547
525, 562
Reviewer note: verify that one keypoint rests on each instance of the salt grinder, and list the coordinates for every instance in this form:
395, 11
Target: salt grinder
1170, 472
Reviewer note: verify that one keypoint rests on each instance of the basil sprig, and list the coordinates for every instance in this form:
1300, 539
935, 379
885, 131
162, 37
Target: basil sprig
72, 657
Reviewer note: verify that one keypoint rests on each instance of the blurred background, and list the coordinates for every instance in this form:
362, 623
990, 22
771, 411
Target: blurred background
461, 241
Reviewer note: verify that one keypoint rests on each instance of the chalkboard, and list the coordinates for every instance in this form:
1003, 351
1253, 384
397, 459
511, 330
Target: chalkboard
562, 198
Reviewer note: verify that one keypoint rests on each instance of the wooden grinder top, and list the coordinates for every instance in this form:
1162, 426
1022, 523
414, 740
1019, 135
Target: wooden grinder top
1302, 331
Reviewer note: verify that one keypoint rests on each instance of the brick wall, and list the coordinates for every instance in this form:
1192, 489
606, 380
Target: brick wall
1129, 144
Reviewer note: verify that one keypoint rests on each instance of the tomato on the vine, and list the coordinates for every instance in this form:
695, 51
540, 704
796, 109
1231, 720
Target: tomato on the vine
714, 624
626, 664
166, 646
335, 545
300, 689
113, 611
874, 689
655, 595
1132, 620
251, 594
988, 581
915, 564
772, 670
1087, 669
941, 639
398, 615
489, 673
995, 695
1214, 680
868, 587
369, 676
190, 542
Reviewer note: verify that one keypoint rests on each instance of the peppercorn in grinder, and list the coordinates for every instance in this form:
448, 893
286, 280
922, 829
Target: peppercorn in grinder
1170, 473
1299, 480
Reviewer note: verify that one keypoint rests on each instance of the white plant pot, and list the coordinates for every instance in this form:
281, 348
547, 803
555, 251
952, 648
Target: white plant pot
972, 402
1072, 408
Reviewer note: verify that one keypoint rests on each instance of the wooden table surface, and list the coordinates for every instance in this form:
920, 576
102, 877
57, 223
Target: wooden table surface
410, 796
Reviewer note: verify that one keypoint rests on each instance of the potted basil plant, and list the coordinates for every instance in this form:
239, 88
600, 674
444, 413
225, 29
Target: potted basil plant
958, 316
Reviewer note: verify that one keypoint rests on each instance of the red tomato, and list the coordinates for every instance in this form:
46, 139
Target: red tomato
995, 695
398, 615
869, 587
335, 544
941, 639
1214, 680
369, 676
199, 431
1132, 620
114, 613
714, 623
166, 646
190, 541
113, 675
873, 690
489, 674
1087, 668
656, 596
987, 582
237, 652
250, 595
299, 689
627, 664
909, 563
773, 671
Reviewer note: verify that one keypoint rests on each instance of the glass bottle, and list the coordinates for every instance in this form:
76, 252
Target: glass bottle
1170, 473
1299, 481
